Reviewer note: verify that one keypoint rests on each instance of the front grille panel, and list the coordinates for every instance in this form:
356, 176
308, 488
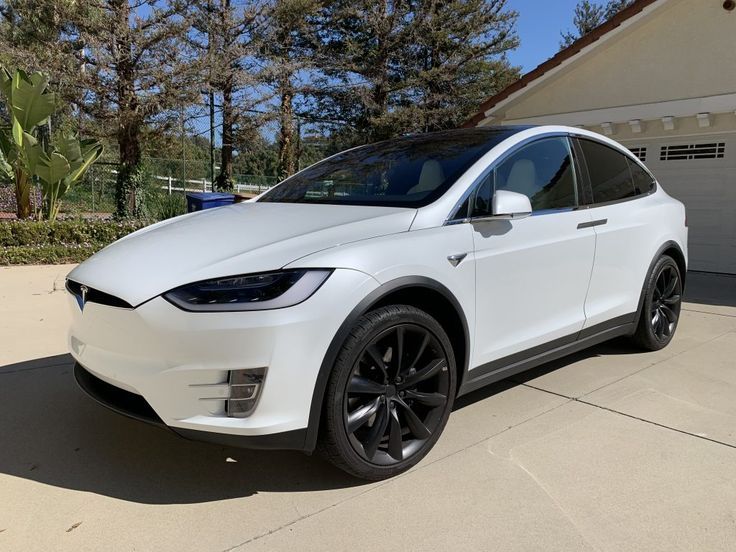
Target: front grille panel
96, 296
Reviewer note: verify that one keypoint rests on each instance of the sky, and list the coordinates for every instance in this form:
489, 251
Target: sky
539, 25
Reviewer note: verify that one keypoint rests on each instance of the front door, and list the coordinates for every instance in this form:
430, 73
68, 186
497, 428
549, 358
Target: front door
532, 274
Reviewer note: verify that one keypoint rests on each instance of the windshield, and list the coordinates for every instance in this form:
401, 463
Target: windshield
411, 171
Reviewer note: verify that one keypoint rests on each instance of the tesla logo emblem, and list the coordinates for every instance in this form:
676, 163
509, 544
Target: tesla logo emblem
83, 299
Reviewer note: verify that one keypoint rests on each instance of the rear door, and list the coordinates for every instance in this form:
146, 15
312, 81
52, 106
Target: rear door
622, 213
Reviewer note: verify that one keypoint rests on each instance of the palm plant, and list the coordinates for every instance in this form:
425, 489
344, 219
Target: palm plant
58, 164
63, 165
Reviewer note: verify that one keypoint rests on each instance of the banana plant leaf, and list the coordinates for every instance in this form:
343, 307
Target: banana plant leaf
17, 132
29, 100
33, 153
52, 168
90, 151
69, 147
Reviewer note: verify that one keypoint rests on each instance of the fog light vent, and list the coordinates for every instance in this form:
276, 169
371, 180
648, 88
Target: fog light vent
245, 388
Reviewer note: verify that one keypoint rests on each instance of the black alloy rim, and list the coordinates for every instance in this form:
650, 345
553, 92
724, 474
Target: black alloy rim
396, 395
665, 308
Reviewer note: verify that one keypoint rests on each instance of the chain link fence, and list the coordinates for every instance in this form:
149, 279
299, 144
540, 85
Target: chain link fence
94, 195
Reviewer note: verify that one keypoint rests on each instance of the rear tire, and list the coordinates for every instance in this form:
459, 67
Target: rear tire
390, 393
660, 312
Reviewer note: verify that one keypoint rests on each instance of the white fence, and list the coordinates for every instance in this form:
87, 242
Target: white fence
205, 185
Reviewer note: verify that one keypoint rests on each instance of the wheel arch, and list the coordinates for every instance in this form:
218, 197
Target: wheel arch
672, 249
418, 291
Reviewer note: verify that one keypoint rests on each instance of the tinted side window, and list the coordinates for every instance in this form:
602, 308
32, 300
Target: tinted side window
543, 171
481, 199
643, 181
609, 172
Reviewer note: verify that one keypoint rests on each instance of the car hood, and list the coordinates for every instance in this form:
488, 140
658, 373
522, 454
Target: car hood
237, 239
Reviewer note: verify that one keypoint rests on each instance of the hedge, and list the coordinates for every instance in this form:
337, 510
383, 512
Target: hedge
63, 241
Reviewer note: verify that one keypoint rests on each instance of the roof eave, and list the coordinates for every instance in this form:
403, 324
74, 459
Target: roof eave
560, 57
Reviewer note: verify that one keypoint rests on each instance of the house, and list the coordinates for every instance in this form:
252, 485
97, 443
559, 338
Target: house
660, 77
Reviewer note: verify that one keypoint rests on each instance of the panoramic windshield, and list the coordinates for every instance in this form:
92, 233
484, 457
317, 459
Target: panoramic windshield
411, 171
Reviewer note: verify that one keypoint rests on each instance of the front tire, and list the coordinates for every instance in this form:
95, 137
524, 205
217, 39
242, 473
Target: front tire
390, 393
660, 312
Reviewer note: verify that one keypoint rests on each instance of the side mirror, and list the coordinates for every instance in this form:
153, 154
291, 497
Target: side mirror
510, 205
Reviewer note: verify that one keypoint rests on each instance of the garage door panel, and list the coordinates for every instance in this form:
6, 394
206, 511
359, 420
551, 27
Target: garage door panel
713, 259
691, 184
704, 224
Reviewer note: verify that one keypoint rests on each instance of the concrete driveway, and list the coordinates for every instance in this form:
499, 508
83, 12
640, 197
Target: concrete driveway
607, 450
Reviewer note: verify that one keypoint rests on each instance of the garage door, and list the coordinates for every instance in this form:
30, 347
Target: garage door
700, 172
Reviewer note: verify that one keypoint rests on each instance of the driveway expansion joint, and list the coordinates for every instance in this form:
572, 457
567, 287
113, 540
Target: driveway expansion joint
711, 313
614, 411
634, 373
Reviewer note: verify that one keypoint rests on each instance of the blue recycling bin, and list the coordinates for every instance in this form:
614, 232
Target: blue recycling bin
207, 200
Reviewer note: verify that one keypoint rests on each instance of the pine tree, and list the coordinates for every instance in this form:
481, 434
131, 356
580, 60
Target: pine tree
589, 15
136, 71
228, 37
461, 47
287, 49
388, 68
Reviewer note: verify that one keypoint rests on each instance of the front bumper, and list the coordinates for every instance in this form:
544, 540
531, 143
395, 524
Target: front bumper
136, 407
176, 361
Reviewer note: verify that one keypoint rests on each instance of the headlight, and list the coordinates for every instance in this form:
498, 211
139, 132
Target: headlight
267, 290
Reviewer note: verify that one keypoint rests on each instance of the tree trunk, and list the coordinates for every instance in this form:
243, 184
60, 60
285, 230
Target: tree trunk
226, 84
287, 147
22, 194
129, 125
128, 179
380, 102
379, 129
225, 178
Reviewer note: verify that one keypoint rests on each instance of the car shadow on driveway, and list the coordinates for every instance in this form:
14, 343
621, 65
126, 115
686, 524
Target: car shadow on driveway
619, 346
52, 433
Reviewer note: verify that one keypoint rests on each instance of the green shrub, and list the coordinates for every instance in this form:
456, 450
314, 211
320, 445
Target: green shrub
62, 241
45, 254
159, 205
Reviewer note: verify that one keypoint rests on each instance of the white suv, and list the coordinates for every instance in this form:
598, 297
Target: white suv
348, 307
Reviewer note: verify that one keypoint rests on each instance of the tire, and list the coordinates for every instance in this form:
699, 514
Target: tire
390, 393
660, 311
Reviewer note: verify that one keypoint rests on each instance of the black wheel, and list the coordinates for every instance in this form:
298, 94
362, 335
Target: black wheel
661, 310
390, 393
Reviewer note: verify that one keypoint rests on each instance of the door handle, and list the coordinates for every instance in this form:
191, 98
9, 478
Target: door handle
592, 223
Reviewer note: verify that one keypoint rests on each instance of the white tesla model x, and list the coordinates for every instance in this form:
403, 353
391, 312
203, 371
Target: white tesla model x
346, 308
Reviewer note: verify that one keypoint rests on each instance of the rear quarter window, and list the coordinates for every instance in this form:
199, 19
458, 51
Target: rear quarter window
643, 181
610, 176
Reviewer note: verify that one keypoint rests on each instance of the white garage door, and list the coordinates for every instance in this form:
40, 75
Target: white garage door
701, 172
